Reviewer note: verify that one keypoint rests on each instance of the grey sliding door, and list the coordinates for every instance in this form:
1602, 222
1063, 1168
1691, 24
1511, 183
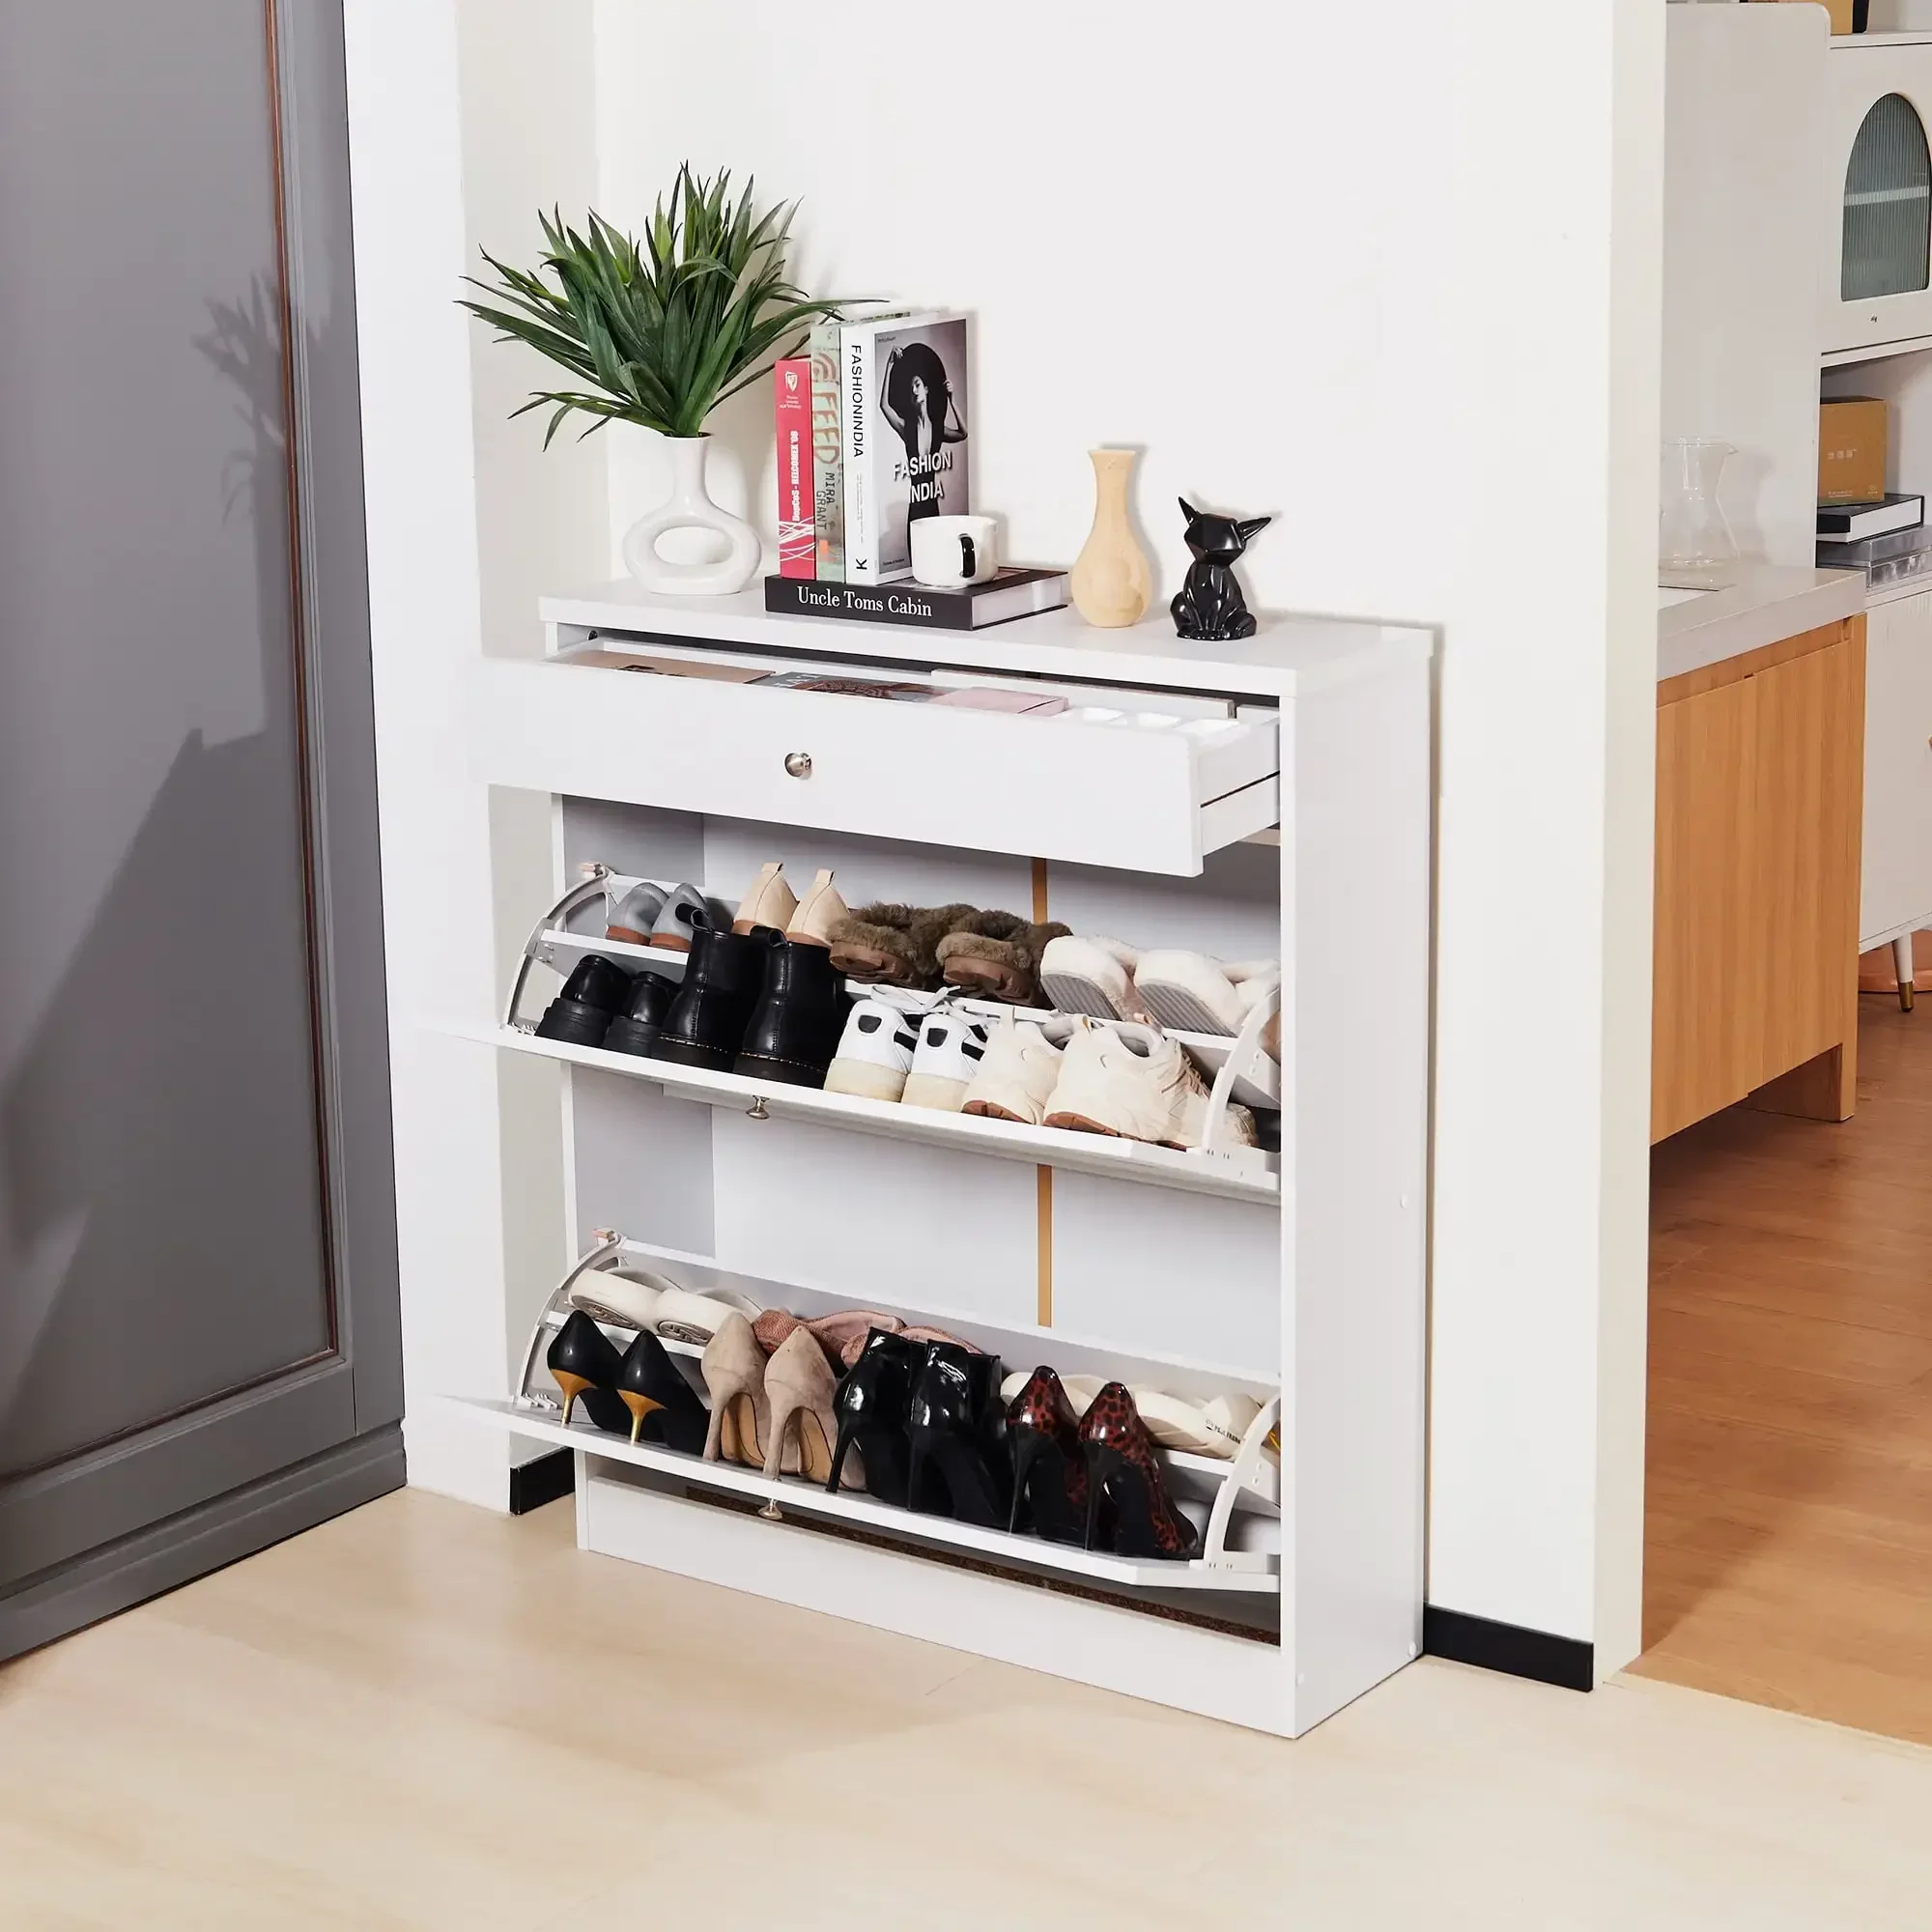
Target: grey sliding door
199, 1343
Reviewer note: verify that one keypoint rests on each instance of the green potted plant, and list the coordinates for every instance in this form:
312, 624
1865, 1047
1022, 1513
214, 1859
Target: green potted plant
659, 332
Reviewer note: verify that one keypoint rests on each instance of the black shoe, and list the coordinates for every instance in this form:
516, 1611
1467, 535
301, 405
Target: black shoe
584, 1366
872, 1402
664, 1408
592, 997
636, 1028
956, 1438
794, 1029
705, 1026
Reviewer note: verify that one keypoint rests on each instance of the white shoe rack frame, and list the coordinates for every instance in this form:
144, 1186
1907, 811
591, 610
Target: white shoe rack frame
1287, 809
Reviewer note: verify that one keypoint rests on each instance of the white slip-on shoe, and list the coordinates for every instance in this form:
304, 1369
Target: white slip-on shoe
818, 912
1080, 1389
1175, 1423
624, 1298
635, 916
770, 901
1227, 1418
1020, 1071
874, 1052
1094, 976
685, 1316
1135, 1083
949, 1051
1191, 993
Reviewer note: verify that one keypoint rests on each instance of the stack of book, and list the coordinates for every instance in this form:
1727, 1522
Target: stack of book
1886, 538
872, 436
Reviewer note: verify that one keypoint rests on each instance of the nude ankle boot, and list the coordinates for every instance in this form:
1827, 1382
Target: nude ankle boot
818, 912
769, 902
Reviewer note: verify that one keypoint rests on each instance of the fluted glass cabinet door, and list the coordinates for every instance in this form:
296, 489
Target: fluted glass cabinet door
1887, 230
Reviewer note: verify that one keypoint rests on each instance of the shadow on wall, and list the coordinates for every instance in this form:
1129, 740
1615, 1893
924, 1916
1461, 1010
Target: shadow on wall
160, 1220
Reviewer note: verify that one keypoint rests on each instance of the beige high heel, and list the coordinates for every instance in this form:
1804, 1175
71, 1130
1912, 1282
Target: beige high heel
817, 913
769, 902
741, 1412
798, 1389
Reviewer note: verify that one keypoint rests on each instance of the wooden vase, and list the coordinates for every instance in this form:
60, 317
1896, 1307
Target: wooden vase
1112, 584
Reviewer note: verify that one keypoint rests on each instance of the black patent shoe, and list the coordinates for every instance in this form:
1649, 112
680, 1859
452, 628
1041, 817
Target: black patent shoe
636, 1028
584, 1365
592, 997
664, 1408
871, 1404
956, 1438
705, 1026
794, 1029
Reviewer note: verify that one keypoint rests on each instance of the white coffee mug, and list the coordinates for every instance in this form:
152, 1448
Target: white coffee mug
950, 553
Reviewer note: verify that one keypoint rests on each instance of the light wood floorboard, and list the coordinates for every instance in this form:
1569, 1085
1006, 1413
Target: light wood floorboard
422, 1716
1789, 1526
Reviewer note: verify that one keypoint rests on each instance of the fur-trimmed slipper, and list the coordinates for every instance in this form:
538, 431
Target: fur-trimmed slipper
996, 957
896, 944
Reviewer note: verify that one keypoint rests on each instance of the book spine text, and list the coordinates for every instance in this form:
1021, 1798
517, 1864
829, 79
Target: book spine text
827, 468
791, 389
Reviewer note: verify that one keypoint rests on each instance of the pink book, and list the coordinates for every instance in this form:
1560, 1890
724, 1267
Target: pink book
798, 554
989, 698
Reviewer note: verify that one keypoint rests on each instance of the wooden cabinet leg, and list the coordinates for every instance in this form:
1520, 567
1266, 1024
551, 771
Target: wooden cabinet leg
1824, 1087
1903, 964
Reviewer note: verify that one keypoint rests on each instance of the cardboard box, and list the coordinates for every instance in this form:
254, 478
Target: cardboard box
1852, 435
1840, 11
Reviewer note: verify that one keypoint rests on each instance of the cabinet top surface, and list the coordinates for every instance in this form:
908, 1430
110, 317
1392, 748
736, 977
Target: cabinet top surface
1765, 606
1285, 654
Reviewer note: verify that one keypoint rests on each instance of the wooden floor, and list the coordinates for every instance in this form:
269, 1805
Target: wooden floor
423, 1716
1789, 1532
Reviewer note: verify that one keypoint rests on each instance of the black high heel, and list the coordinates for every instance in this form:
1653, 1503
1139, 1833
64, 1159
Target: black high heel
1122, 1468
1049, 1464
872, 1402
956, 1433
663, 1406
584, 1366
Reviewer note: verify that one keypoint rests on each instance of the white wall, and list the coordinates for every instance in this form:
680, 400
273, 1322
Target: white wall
1398, 290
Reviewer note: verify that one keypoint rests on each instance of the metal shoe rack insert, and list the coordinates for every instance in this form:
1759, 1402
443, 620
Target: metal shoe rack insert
1251, 1482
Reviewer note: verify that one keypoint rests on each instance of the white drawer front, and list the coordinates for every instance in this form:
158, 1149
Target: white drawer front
1118, 794
1898, 869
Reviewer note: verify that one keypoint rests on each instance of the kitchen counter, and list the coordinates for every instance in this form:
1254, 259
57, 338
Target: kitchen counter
1768, 603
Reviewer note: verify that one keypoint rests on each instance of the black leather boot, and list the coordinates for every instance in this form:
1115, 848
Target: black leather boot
794, 1029
636, 1028
705, 1026
956, 1438
870, 1402
592, 997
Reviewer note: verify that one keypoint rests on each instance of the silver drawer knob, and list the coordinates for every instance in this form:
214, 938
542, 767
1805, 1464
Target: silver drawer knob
799, 765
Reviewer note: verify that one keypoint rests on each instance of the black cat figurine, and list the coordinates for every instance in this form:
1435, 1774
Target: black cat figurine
1209, 606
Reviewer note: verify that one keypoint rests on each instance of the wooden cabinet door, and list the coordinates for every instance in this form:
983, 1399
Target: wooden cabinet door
1810, 724
1898, 865
1707, 958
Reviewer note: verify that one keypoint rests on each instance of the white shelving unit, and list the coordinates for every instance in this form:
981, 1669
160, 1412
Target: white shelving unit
1266, 797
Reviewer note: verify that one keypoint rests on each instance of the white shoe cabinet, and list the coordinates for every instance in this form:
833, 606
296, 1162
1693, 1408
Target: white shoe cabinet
1261, 798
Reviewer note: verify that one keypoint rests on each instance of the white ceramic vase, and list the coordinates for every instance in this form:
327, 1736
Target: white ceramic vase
690, 507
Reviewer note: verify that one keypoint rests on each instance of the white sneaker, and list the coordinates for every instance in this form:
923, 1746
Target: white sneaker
1135, 1083
949, 1051
1193, 993
1021, 1068
874, 1052
1094, 976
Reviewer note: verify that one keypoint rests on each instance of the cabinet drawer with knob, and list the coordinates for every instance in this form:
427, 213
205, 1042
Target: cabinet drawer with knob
1093, 785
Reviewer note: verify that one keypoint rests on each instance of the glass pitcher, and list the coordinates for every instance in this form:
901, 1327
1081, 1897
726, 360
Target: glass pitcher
1695, 548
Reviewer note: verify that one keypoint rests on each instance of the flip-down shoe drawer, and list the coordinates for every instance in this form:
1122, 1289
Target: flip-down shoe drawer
1097, 785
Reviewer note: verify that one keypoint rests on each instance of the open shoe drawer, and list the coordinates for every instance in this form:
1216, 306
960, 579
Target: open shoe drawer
1143, 793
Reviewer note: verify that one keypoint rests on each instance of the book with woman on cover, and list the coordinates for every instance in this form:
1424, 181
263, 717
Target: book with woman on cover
903, 402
